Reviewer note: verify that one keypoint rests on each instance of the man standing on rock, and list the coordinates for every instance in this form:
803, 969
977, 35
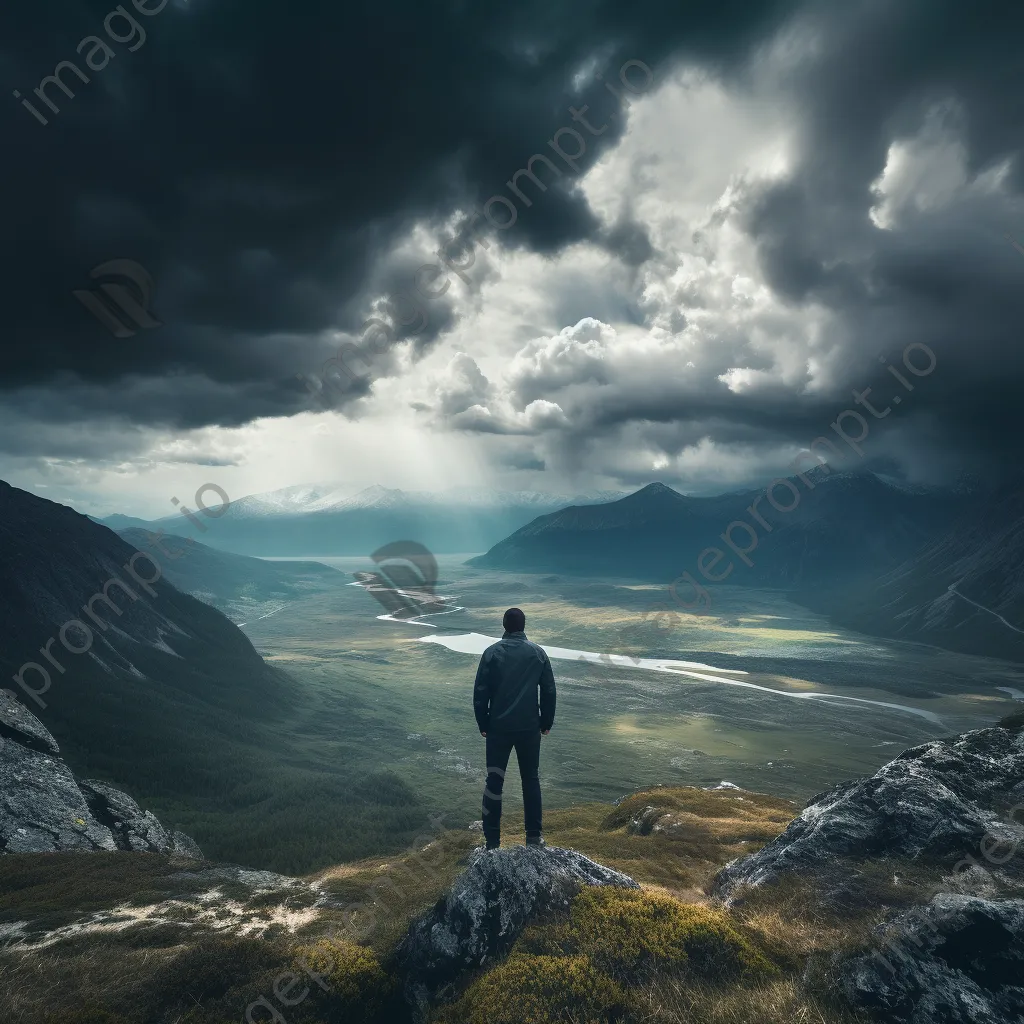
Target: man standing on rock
513, 674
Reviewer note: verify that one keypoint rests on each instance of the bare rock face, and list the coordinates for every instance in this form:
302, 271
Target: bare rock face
958, 960
131, 826
44, 809
185, 846
19, 725
934, 801
482, 914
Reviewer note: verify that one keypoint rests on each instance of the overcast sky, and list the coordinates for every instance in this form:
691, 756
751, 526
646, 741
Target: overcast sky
797, 192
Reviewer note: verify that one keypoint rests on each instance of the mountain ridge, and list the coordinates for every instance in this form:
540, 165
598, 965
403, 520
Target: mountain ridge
319, 520
672, 899
965, 590
842, 524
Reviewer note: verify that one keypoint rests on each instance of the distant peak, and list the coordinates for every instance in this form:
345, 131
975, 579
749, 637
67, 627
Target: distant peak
375, 490
655, 490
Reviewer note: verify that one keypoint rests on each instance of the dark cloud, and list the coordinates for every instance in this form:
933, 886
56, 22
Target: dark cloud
263, 161
941, 276
942, 82
630, 241
270, 167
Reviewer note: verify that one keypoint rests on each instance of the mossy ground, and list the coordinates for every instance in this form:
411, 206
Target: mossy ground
598, 961
664, 953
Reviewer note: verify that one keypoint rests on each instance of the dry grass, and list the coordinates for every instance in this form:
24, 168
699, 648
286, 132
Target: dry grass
183, 975
381, 896
725, 813
718, 827
675, 1001
675, 963
537, 989
835, 912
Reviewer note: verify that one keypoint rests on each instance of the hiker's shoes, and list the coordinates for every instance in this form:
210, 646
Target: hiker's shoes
535, 841
493, 844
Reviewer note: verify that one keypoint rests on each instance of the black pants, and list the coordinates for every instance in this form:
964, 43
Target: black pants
499, 748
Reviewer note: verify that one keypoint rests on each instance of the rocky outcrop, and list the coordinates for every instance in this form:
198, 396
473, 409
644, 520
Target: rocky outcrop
132, 827
482, 914
642, 823
44, 809
936, 801
958, 960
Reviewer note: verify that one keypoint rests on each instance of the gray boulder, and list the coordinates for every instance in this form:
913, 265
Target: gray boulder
934, 801
132, 827
482, 914
44, 809
185, 846
958, 960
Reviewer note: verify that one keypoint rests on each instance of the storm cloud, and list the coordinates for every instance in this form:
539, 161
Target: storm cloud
263, 162
805, 190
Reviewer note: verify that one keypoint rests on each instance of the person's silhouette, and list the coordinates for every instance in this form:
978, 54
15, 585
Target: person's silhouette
514, 703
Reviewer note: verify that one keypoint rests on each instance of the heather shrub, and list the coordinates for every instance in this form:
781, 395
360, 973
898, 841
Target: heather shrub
527, 989
360, 990
632, 934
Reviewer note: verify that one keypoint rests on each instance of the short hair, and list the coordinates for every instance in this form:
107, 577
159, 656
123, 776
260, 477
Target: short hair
514, 620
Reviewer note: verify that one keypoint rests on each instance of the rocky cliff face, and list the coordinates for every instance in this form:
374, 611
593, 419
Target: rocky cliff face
954, 808
44, 809
959, 960
937, 801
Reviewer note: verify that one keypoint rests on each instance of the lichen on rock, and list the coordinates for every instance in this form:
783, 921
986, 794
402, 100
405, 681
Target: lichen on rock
44, 809
935, 801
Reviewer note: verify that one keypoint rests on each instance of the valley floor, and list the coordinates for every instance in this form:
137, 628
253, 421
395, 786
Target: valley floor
396, 707
375, 733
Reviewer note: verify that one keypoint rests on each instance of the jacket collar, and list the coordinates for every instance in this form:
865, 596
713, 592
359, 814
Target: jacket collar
519, 634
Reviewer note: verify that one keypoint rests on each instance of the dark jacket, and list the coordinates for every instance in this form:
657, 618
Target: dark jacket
507, 682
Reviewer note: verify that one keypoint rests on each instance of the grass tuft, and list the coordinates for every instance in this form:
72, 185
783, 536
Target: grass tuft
633, 935
529, 989
359, 989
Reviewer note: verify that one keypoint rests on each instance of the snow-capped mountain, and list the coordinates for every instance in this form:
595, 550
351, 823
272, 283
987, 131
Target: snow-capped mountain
304, 499
285, 501
319, 519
